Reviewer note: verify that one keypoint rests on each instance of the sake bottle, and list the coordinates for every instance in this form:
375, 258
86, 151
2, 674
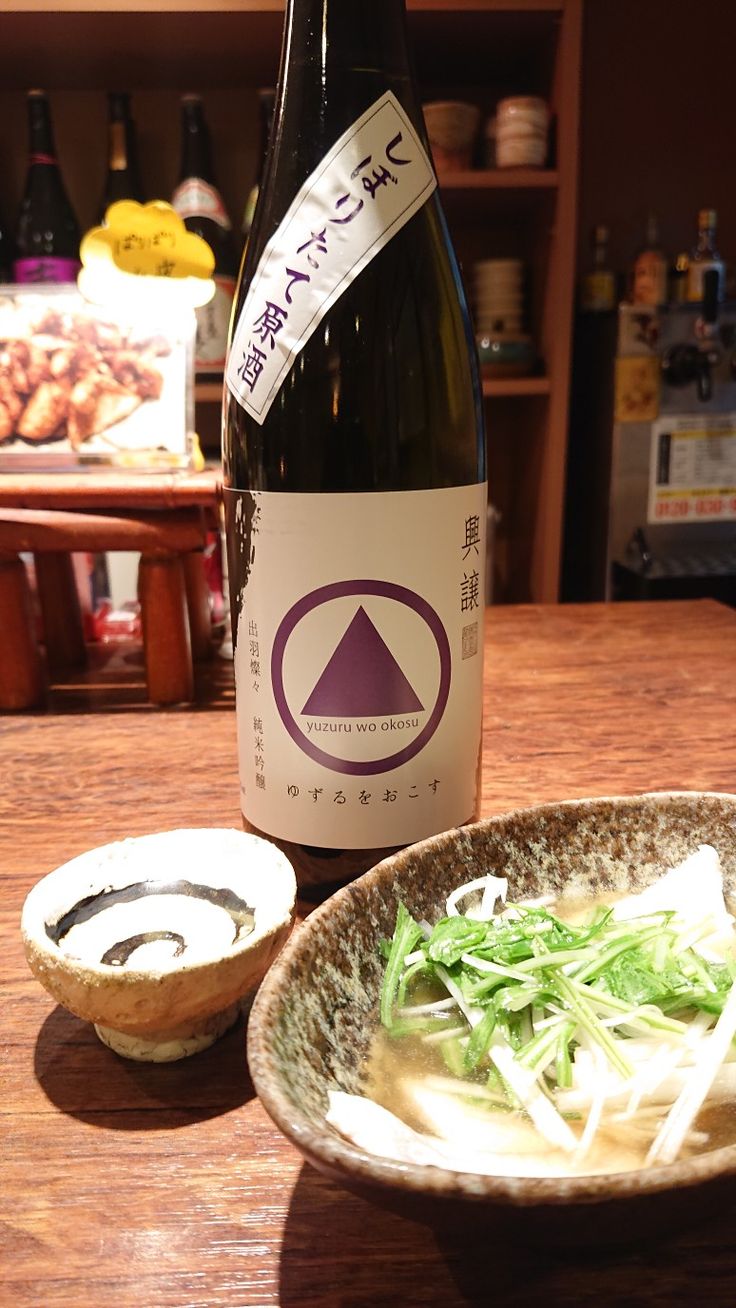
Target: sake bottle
123, 181
266, 99
47, 233
354, 466
6, 253
198, 201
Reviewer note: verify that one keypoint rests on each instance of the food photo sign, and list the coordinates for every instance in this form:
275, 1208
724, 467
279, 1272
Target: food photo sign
101, 373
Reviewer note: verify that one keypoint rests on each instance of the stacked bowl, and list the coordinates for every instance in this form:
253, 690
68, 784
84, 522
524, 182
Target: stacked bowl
522, 126
498, 296
504, 349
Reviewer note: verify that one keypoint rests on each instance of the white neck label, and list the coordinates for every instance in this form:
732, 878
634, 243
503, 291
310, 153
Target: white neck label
372, 181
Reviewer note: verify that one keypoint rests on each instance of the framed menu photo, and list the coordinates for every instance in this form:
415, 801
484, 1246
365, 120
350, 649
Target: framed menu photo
83, 385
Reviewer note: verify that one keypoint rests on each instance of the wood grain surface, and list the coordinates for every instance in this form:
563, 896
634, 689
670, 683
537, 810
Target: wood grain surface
90, 490
146, 1186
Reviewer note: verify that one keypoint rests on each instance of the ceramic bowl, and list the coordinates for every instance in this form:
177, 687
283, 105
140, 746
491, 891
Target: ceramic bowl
452, 127
314, 1015
504, 355
159, 940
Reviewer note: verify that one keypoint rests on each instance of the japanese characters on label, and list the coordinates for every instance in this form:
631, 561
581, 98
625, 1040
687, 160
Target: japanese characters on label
359, 683
372, 181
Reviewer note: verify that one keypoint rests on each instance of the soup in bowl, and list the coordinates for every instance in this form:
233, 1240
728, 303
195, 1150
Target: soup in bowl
317, 1041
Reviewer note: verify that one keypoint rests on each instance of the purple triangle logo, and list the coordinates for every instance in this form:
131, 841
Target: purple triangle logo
362, 678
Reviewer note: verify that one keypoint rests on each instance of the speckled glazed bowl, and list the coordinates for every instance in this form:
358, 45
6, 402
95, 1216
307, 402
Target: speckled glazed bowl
314, 1014
159, 940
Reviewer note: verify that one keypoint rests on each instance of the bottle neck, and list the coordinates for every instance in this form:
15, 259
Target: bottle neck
340, 57
118, 133
41, 148
196, 155
328, 33
706, 240
600, 255
651, 240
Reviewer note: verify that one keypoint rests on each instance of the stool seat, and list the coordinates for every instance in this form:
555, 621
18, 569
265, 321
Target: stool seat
164, 517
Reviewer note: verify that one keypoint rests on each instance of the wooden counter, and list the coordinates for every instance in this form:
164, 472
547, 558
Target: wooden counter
167, 1186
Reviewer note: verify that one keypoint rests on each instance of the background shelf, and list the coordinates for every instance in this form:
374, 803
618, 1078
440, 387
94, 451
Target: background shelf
475, 50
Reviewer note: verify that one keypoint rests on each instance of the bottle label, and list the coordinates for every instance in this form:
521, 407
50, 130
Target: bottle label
598, 291
213, 322
45, 270
372, 181
195, 198
358, 662
650, 279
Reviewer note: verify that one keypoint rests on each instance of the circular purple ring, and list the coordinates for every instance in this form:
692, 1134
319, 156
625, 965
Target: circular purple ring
336, 590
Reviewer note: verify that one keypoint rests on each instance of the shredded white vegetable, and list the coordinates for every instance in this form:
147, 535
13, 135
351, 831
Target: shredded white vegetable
685, 1109
494, 888
526, 1088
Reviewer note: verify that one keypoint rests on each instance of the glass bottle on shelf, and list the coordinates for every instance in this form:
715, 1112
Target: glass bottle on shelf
678, 278
6, 253
598, 286
123, 180
649, 275
266, 101
198, 201
704, 257
47, 233
354, 465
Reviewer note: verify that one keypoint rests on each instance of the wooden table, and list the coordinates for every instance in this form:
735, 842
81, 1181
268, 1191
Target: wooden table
168, 1186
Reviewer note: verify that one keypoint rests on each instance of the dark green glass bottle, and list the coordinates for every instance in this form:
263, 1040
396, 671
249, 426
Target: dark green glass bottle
123, 180
354, 464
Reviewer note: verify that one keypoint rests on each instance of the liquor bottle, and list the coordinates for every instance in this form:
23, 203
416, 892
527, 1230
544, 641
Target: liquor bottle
197, 200
6, 253
678, 278
354, 464
598, 286
123, 180
705, 256
47, 234
649, 276
266, 101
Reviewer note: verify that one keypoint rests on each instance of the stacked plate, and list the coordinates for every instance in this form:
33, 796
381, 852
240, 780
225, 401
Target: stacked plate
498, 296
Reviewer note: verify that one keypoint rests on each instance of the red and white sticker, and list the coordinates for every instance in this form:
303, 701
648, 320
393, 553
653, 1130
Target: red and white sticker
195, 198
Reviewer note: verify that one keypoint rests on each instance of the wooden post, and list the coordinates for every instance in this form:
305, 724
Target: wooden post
61, 610
198, 605
166, 640
21, 674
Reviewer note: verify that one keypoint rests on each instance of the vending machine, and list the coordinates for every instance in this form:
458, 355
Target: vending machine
672, 494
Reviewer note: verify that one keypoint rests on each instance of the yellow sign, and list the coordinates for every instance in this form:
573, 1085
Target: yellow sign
144, 250
637, 387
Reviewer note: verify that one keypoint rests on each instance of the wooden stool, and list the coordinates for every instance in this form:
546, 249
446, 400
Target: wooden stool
172, 591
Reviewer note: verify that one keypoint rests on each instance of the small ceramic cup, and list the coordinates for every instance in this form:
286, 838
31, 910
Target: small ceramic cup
452, 127
160, 940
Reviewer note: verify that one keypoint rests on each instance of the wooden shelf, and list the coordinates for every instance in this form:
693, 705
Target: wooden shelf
208, 392
498, 387
236, 43
505, 179
266, 6
476, 50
